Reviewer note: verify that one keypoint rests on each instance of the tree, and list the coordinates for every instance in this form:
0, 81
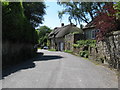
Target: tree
12, 20
34, 12
18, 32
117, 7
106, 21
19, 19
80, 11
43, 35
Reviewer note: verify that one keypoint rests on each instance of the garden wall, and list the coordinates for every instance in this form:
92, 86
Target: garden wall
13, 53
76, 50
108, 51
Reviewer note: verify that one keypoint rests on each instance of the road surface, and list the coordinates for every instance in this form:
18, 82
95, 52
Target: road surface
59, 70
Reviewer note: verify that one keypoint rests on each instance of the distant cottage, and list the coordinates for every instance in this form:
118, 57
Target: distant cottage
63, 38
90, 31
60, 38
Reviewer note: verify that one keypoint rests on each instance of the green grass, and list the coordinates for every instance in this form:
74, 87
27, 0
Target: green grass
68, 51
38, 48
51, 49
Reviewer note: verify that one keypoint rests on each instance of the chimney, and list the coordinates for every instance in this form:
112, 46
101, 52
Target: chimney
71, 24
62, 24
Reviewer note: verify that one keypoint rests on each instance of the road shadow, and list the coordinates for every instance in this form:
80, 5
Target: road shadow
28, 64
12, 69
47, 58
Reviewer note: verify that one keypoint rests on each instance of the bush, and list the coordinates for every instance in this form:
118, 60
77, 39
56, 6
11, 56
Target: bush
84, 54
86, 42
81, 43
76, 45
68, 51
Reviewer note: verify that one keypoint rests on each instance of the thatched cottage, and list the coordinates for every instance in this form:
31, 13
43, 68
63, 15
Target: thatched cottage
57, 36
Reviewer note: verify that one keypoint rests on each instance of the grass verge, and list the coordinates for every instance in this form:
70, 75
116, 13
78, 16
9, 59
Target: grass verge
51, 49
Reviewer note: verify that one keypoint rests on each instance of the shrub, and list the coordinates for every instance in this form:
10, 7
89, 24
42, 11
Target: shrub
76, 45
68, 51
84, 54
86, 42
81, 43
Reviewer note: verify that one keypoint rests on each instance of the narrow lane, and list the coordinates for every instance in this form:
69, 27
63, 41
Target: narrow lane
60, 70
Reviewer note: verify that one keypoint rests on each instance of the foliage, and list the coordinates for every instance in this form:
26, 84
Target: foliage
117, 7
80, 11
12, 20
75, 32
48, 43
15, 23
84, 54
82, 43
38, 48
106, 21
76, 45
51, 49
34, 12
43, 35
18, 30
68, 51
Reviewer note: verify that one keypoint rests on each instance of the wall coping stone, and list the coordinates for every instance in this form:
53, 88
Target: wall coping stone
113, 33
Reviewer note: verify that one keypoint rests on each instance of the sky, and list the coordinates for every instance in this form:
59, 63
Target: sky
51, 18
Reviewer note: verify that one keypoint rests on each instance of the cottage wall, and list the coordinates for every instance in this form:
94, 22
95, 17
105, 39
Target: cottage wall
58, 43
71, 39
52, 43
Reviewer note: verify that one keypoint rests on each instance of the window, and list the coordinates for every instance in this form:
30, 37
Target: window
97, 30
93, 34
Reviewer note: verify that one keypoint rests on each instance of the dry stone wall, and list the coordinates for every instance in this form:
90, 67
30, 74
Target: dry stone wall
108, 50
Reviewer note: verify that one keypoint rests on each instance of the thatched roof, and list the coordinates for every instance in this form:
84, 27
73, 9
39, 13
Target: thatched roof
62, 31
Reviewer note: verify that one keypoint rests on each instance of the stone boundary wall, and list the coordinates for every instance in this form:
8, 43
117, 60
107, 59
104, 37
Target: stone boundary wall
77, 50
13, 53
108, 50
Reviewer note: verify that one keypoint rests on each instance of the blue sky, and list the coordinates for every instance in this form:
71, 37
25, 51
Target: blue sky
51, 18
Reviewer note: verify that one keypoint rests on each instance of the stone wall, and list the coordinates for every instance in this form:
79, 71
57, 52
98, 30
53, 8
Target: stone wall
108, 50
76, 50
13, 53
52, 43
71, 39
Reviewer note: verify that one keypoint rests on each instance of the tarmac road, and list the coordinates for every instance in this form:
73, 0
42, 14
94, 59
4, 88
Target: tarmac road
59, 70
